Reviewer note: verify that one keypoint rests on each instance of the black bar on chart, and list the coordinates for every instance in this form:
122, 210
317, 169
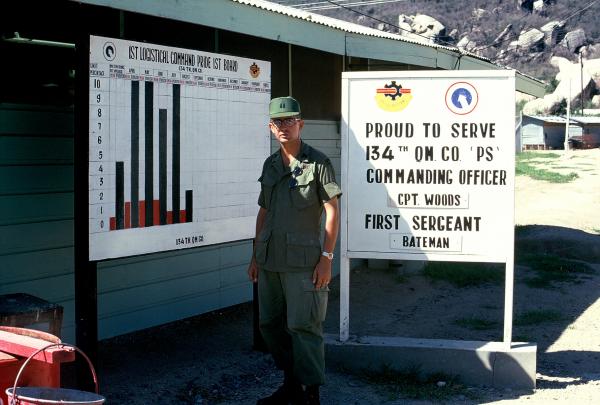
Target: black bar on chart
162, 166
189, 202
120, 196
135, 152
176, 153
149, 155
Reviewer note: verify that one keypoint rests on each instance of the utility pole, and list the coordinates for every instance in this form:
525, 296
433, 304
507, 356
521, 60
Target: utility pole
581, 78
568, 118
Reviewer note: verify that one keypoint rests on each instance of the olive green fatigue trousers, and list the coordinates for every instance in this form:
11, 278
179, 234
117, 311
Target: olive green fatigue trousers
292, 312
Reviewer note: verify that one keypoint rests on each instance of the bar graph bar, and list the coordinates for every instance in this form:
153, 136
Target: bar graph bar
162, 165
120, 196
149, 152
135, 152
176, 151
151, 212
189, 203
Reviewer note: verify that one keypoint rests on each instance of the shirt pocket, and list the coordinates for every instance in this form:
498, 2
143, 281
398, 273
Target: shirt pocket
303, 249
267, 184
304, 194
261, 247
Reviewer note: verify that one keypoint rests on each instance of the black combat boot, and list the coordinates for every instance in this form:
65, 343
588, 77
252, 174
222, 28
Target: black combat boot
311, 395
289, 393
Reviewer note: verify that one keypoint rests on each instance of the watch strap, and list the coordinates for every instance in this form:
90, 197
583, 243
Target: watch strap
327, 255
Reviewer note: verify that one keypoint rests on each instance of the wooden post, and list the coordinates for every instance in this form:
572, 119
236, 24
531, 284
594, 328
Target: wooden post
86, 307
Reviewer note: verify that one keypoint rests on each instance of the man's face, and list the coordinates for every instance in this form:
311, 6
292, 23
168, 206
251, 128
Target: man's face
286, 130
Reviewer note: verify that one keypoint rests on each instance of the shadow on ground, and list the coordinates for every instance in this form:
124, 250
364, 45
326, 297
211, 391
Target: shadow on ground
209, 359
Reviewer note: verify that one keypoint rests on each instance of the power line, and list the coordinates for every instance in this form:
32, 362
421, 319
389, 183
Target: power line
345, 4
386, 22
325, 5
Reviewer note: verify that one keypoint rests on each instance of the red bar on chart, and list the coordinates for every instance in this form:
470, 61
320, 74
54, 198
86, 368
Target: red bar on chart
127, 215
142, 208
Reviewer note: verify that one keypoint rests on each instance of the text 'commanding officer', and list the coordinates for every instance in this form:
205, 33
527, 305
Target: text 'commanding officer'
293, 271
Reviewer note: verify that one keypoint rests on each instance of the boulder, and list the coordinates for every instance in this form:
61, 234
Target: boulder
403, 18
570, 84
523, 97
592, 66
479, 13
538, 6
532, 39
542, 106
404, 28
554, 32
525, 4
503, 36
453, 34
591, 51
574, 40
421, 28
466, 44
383, 27
427, 26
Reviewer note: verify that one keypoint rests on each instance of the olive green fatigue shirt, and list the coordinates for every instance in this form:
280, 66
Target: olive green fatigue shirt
293, 197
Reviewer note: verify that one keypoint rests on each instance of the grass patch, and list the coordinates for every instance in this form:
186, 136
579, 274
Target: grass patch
524, 156
411, 384
537, 317
550, 269
465, 274
525, 169
476, 323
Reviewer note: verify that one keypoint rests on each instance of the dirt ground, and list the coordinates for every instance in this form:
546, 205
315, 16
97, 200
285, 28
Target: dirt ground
209, 359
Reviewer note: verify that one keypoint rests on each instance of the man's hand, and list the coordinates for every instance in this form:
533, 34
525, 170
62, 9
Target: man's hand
322, 273
253, 270
253, 267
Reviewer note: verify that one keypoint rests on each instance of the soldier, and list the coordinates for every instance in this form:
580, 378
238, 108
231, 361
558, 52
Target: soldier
293, 271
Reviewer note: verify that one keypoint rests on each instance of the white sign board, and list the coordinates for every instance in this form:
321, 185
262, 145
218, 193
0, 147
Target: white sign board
428, 158
177, 137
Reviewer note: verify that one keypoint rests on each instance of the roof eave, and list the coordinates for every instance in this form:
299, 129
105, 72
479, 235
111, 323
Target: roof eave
260, 22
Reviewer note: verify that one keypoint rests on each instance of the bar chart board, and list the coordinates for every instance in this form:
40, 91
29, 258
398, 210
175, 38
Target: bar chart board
177, 139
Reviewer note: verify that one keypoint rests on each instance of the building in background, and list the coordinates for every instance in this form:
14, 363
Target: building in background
548, 132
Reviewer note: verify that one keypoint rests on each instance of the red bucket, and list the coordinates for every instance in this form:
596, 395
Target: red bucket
46, 396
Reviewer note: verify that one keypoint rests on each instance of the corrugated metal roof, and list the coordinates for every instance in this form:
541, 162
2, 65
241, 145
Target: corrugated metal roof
264, 19
587, 120
345, 25
549, 118
573, 119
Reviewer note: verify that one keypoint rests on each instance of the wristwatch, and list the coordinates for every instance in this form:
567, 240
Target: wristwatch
327, 255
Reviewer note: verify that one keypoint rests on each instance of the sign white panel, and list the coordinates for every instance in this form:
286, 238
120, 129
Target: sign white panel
177, 140
429, 165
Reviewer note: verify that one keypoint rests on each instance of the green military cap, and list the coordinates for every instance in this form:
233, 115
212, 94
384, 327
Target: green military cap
281, 107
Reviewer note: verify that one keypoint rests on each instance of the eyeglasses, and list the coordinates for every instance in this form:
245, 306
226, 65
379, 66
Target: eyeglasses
297, 172
283, 123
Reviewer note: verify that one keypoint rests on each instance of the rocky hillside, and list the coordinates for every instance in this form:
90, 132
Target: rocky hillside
543, 38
